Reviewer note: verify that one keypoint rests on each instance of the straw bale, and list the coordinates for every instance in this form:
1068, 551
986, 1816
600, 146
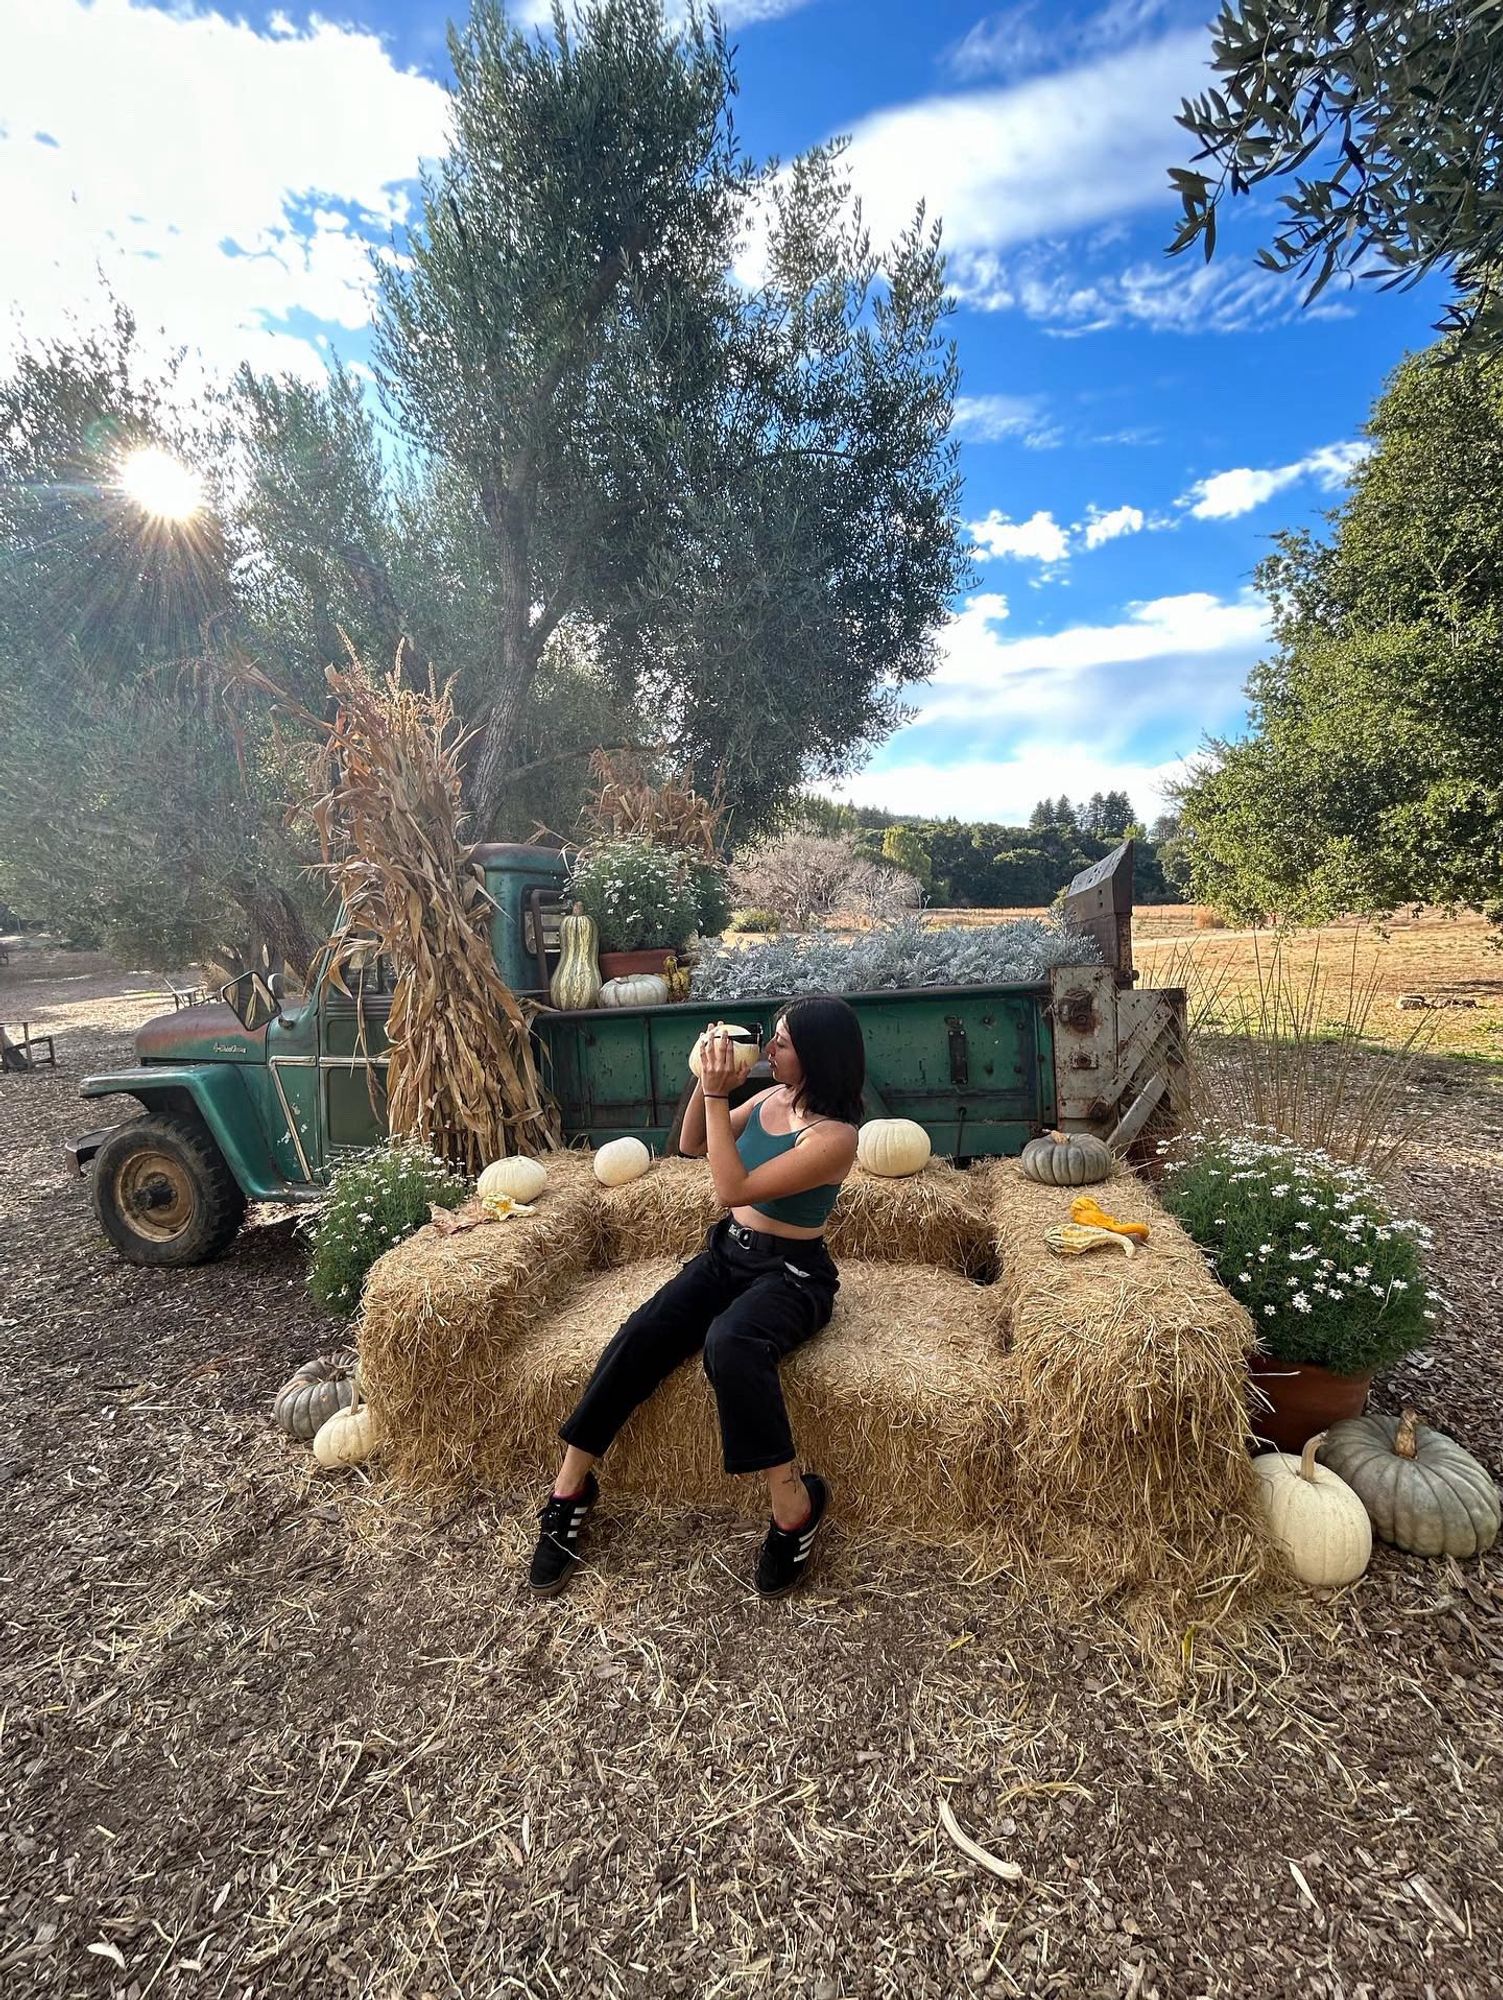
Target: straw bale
664, 1214
935, 1217
938, 1216
439, 1313
898, 1400
1125, 1406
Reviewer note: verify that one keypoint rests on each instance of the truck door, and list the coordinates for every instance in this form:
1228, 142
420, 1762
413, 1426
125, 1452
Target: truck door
353, 1056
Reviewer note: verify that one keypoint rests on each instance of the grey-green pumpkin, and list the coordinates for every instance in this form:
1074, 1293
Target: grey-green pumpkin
1067, 1159
320, 1387
1423, 1491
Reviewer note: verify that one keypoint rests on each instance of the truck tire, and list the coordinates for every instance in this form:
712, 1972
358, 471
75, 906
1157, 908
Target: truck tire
163, 1194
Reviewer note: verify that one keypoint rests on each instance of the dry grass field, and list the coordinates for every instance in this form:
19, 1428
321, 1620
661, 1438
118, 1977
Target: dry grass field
1452, 961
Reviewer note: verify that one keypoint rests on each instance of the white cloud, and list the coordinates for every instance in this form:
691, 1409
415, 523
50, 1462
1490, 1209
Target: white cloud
1042, 539
1025, 38
1225, 495
1038, 539
989, 419
747, 13
1083, 709
1050, 154
221, 178
1106, 527
982, 673
1052, 285
1005, 789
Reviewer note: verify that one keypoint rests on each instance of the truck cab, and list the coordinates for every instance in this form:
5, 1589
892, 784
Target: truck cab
256, 1095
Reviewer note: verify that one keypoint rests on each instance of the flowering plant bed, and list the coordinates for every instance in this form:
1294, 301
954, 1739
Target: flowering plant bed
1307, 1244
376, 1200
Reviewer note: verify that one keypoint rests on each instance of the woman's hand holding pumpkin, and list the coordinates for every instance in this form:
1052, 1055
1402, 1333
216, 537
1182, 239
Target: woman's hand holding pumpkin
719, 1072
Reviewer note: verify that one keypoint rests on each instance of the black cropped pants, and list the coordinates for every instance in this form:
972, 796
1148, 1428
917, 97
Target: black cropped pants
747, 1308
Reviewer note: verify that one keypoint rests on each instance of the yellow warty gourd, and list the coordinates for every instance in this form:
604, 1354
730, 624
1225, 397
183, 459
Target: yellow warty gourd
1073, 1239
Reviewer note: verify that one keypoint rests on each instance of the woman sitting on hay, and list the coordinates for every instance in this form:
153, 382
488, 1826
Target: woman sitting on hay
763, 1284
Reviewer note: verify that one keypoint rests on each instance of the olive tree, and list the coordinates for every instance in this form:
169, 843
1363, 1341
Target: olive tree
1381, 123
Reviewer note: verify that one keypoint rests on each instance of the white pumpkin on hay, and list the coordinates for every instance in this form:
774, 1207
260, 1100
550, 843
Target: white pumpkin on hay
892, 1147
515, 1178
620, 1161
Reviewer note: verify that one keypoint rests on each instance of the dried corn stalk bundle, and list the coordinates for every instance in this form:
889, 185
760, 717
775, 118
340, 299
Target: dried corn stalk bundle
461, 1072
628, 805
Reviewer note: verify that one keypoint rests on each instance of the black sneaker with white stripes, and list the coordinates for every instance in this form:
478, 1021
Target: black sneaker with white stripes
556, 1556
785, 1553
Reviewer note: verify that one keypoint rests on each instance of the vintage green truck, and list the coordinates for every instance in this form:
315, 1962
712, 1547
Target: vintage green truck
256, 1097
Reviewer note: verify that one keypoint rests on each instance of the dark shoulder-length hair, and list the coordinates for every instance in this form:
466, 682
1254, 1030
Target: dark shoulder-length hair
827, 1039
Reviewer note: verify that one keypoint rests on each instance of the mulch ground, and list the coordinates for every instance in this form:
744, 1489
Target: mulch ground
264, 1732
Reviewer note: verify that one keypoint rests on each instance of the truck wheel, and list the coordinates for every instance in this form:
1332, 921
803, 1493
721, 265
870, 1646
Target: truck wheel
163, 1193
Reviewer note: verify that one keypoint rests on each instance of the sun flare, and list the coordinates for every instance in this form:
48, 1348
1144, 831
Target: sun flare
161, 485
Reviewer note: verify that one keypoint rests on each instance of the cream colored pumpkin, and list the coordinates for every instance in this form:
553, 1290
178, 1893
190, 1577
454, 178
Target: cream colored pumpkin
638, 989
348, 1438
892, 1147
1313, 1517
744, 1047
517, 1176
620, 1161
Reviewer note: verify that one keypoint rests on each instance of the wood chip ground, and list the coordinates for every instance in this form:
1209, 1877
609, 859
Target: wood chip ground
263, 1732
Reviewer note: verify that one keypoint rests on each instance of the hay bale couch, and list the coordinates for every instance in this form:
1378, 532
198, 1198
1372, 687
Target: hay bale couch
1080, 1421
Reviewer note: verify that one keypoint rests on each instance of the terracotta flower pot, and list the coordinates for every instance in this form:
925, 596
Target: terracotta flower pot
1305, 1399
622, 964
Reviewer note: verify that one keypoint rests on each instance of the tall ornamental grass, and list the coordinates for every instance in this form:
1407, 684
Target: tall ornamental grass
1295, 1050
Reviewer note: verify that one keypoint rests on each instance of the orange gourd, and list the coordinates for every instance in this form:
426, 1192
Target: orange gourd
1084, 1209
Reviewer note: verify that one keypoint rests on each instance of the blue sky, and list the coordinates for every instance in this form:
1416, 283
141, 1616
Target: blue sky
1135, 429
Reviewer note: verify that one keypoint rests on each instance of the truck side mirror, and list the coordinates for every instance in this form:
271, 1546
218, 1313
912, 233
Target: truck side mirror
251, 1000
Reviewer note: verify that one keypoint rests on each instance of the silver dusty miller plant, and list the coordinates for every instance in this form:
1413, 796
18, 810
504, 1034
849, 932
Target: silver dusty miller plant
900, 954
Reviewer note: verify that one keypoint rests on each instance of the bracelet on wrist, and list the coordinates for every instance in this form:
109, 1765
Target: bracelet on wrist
716, 1096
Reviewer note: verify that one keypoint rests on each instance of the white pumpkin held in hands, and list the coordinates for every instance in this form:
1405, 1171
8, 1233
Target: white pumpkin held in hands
892, 1147
516, 1176
1313, 1518
743, 1045
620, 1161
348, 1438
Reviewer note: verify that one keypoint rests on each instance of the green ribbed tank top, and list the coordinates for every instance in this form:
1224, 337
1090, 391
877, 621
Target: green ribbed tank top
808, 1209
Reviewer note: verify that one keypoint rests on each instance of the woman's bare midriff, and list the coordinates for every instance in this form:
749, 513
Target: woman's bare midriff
770, 1225
753, 1218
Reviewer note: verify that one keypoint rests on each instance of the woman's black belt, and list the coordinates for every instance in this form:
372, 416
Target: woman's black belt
765, 1239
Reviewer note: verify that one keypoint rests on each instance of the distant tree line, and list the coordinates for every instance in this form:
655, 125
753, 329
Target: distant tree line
968, 864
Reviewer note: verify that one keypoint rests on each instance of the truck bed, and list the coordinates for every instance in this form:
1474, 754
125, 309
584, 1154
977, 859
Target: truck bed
973, 1064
